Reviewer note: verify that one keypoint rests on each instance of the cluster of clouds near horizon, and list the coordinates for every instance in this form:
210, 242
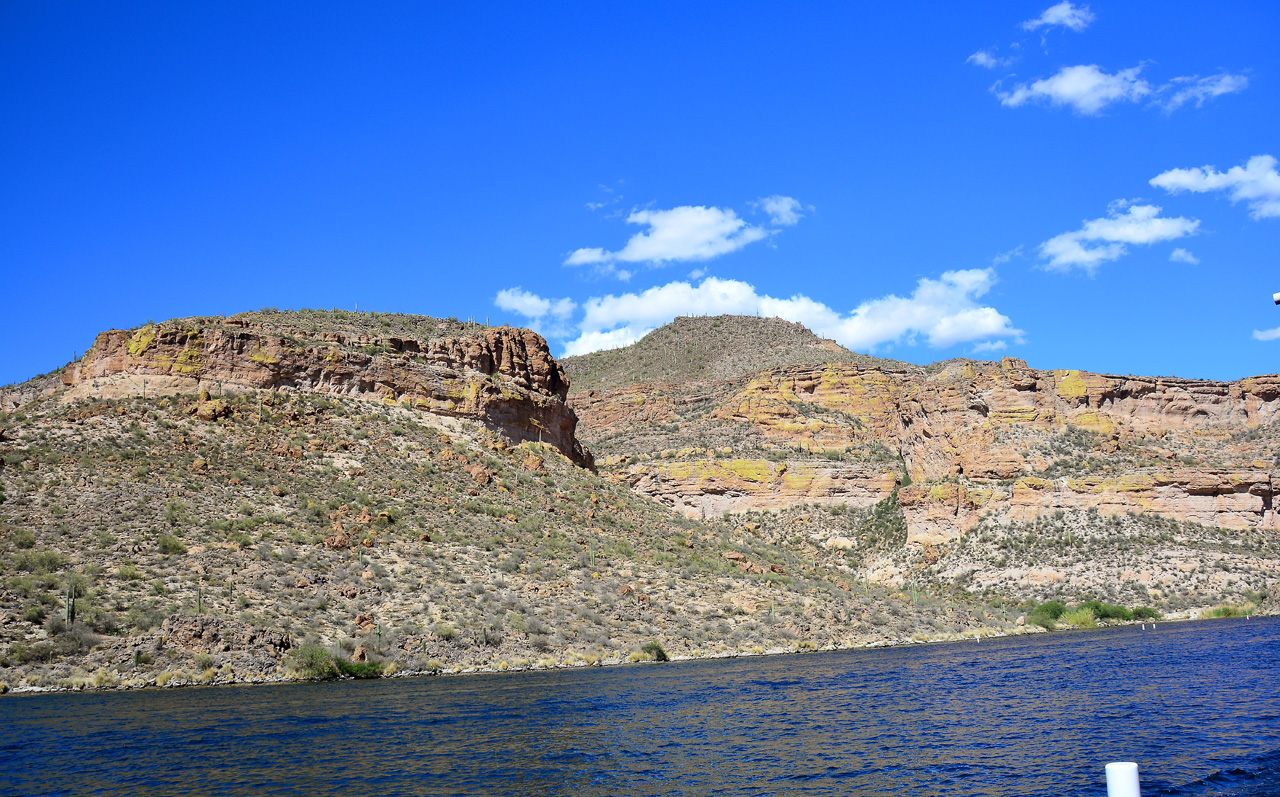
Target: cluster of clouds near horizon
943, 311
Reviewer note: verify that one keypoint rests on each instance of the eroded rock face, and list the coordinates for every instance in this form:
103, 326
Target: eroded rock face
501, 377
712, 487
972, 437
209, 634
940, 513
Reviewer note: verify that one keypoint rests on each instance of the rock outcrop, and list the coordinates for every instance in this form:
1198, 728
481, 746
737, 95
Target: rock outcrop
501, 377
970, 438
208, 634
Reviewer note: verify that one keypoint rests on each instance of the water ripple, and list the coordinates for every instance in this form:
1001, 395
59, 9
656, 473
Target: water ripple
1196, 704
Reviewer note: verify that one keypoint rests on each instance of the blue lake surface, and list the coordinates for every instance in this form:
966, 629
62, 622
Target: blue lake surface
1197, 705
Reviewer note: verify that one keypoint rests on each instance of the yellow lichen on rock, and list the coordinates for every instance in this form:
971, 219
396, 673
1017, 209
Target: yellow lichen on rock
141, 340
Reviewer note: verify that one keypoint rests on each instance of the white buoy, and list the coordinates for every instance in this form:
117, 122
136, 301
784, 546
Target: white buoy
1122, 779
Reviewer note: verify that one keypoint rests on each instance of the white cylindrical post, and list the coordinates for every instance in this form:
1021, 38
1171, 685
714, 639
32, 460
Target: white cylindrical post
1122, 779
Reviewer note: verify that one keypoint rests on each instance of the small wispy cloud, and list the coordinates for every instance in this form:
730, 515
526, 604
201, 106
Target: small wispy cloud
1088, 89
1193, 88
1257, 183
988, 60
784, 211
1065, 14
1266, 334
1005, 257
1181, 255
1102, 240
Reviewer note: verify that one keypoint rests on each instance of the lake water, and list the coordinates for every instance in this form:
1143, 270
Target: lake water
1197, 705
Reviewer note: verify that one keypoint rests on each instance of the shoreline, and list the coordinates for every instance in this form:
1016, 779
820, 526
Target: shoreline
970, 635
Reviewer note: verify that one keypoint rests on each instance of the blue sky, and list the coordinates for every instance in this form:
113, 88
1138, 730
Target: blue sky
1083, 186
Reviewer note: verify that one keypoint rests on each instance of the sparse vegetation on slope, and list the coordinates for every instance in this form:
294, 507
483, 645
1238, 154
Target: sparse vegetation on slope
298, 525
205, 551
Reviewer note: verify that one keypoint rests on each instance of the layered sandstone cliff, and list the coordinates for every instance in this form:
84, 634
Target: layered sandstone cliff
959, 440
501, 377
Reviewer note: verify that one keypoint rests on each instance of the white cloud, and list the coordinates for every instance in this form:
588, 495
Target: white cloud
1257, 183
1181, 255
783, 211
990, 345
1194, 88
546, 316
1085, 88
1005, 257
1063, 14
689, 232
986, 59
1088, 89
1266, 334
1138, 224
531, 305
943, 311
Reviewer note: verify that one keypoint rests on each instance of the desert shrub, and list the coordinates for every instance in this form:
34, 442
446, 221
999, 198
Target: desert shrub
144, 618
1043, 620
1107, 611
1051, 609
39, 561
1228, 610
169, 544
202, 661
104, 622
533, 625
1080, 618
359, 669
1146, 613
23, 538
22, 653
654, 649
313, 661
175, 512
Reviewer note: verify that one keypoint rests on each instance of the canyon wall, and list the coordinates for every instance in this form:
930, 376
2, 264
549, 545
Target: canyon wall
501, 377
961, 440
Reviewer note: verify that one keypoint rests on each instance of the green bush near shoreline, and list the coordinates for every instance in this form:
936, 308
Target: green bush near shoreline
1080, 618
1228, 610
654, 649
1050, 614
314, 662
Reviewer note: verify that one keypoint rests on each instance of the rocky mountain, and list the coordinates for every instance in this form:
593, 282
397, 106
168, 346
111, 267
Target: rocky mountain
257, 497
958, 446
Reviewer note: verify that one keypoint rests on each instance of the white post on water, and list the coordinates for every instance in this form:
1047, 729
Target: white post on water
1122, 779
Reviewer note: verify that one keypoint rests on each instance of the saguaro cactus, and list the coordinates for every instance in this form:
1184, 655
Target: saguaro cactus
71, 604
